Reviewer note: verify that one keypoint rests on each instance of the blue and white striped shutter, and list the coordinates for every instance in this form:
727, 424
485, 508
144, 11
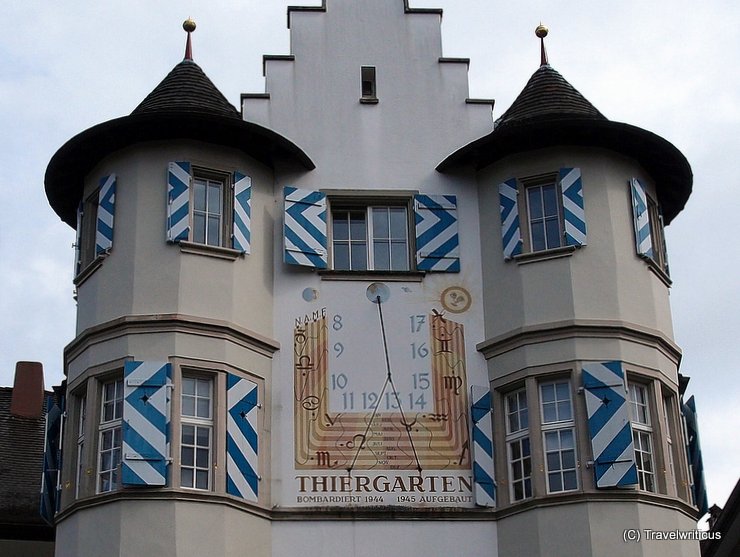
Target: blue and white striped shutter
574, 216
242, 439
304, 230
106, 213
483, 470
641, 219
437, 240
511, 234
609, 424
78, 240
145, 423
242, 212
178, 201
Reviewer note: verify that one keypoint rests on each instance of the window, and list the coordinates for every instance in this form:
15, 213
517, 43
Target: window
660, 254
544, 216
542, 213
642, 435
196, 439
648, 226
367, 81
208, 208
109, 447
558, 436
668, 424
518, 445
208, 211
88, 230
80, 472
374, 237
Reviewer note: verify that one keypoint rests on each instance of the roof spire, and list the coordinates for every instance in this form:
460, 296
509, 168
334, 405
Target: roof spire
541, 32
189, 26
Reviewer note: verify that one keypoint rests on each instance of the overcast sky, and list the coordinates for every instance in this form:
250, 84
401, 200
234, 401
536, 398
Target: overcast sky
669, 66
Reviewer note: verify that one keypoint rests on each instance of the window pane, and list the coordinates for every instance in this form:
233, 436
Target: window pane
357, 227
515, 451
188, 386
562, 390
187, 456
553, 461
201, 458
569, 459
548, 393
535, 203
188, 406
204, 408
186, 477
518, 492
214, 198
551, 201
399, 256
548, 413
105, 460
201, 479
513, 422
555, 482
525, 446
188, 435
564, 412
204, 436
524, 418
552, 443
382, 256
553, 233
214, 231
359, 257
566, 438
199, 195
398, 223
538, 236
380, 223
569, 480
341, 226
204, 387
199, 228
341, 256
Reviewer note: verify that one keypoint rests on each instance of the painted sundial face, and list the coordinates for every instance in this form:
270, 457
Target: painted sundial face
355, 411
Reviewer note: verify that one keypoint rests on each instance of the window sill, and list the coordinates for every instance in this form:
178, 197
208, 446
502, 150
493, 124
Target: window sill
210, 251
369, 100
389, 276
545, 255
88, 271
660, 273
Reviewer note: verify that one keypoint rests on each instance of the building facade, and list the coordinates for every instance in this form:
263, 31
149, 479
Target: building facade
361, 317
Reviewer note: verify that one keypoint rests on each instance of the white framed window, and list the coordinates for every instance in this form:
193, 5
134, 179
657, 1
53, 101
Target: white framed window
211, 208
196, 432
544, 214
370, 237
81, 417
558, 434
519, 451
642, 435
109, 442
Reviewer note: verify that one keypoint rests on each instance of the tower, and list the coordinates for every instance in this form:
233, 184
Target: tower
362, 317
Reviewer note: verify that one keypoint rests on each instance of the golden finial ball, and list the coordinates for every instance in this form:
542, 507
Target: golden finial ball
541, 31
188, 25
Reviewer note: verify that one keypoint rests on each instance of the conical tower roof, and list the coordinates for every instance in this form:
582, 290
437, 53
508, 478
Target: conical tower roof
548, 96
187, 89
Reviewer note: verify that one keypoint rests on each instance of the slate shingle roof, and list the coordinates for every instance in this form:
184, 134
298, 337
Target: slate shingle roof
21, 461
187, 89
547, 95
